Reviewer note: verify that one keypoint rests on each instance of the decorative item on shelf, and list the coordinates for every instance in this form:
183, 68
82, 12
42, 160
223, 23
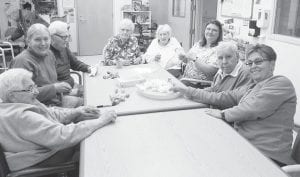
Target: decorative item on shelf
48, 7
137, 5
140, 15
142, 18
145, 8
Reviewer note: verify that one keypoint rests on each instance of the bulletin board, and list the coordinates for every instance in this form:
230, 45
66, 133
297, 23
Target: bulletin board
237, 8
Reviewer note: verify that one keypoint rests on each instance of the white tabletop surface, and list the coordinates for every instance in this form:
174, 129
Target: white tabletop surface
98, 91
186, 143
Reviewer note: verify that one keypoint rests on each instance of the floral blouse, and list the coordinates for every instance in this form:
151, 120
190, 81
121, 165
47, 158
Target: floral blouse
205, 55
115, 49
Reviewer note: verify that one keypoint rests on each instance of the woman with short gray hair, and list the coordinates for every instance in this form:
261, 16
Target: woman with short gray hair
164, 50
32, 134
123, 48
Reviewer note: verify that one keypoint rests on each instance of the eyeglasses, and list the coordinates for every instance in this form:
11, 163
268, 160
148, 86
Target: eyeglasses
31, 89
257, 61
65, 37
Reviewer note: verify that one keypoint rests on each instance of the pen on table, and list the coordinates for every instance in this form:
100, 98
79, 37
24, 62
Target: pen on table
101, 106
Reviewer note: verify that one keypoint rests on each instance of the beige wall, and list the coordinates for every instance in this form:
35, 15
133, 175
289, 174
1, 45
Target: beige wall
180, 25
159, 10
288, 55
3, 20
73, 25
117, 16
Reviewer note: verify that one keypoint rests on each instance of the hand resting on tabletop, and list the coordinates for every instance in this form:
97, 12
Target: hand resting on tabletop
179, 88
214, 112
89, 112
137, 61
157, 57
109, 116
93, 71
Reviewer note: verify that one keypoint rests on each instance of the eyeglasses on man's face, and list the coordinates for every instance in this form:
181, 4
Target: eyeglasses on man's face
256, 61
63, 37
31, 89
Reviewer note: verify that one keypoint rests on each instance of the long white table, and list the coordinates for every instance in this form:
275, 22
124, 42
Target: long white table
186, 143
98, 91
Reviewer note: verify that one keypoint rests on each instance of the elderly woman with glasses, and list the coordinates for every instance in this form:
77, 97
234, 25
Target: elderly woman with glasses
38, 59
65, 59
262, 112
32, 134
164, 50
123, 48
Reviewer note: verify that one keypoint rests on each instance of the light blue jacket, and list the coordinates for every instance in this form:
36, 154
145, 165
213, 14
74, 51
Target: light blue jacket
30, 134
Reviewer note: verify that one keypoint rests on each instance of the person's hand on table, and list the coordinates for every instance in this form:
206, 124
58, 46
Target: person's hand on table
138, 60
93, 71
179, 88
214, 112
62, 87
157, 57
108, 116
87, 112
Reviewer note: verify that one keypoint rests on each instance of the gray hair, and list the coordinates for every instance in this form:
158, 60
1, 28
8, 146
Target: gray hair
13, 79
164, 27
264, 50
127, 22
58, 27
223, 45
34, 28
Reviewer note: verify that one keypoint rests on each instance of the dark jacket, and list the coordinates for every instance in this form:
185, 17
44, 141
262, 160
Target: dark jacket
65, 60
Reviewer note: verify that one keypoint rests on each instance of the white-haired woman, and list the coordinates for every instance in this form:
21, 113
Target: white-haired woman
65, 59
38, 59
123, 47
32, 134
164, 49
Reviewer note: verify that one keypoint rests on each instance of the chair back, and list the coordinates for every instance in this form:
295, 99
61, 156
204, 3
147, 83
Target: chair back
4, 169
296, 148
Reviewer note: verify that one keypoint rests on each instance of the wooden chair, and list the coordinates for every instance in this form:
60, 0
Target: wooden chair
34, 171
